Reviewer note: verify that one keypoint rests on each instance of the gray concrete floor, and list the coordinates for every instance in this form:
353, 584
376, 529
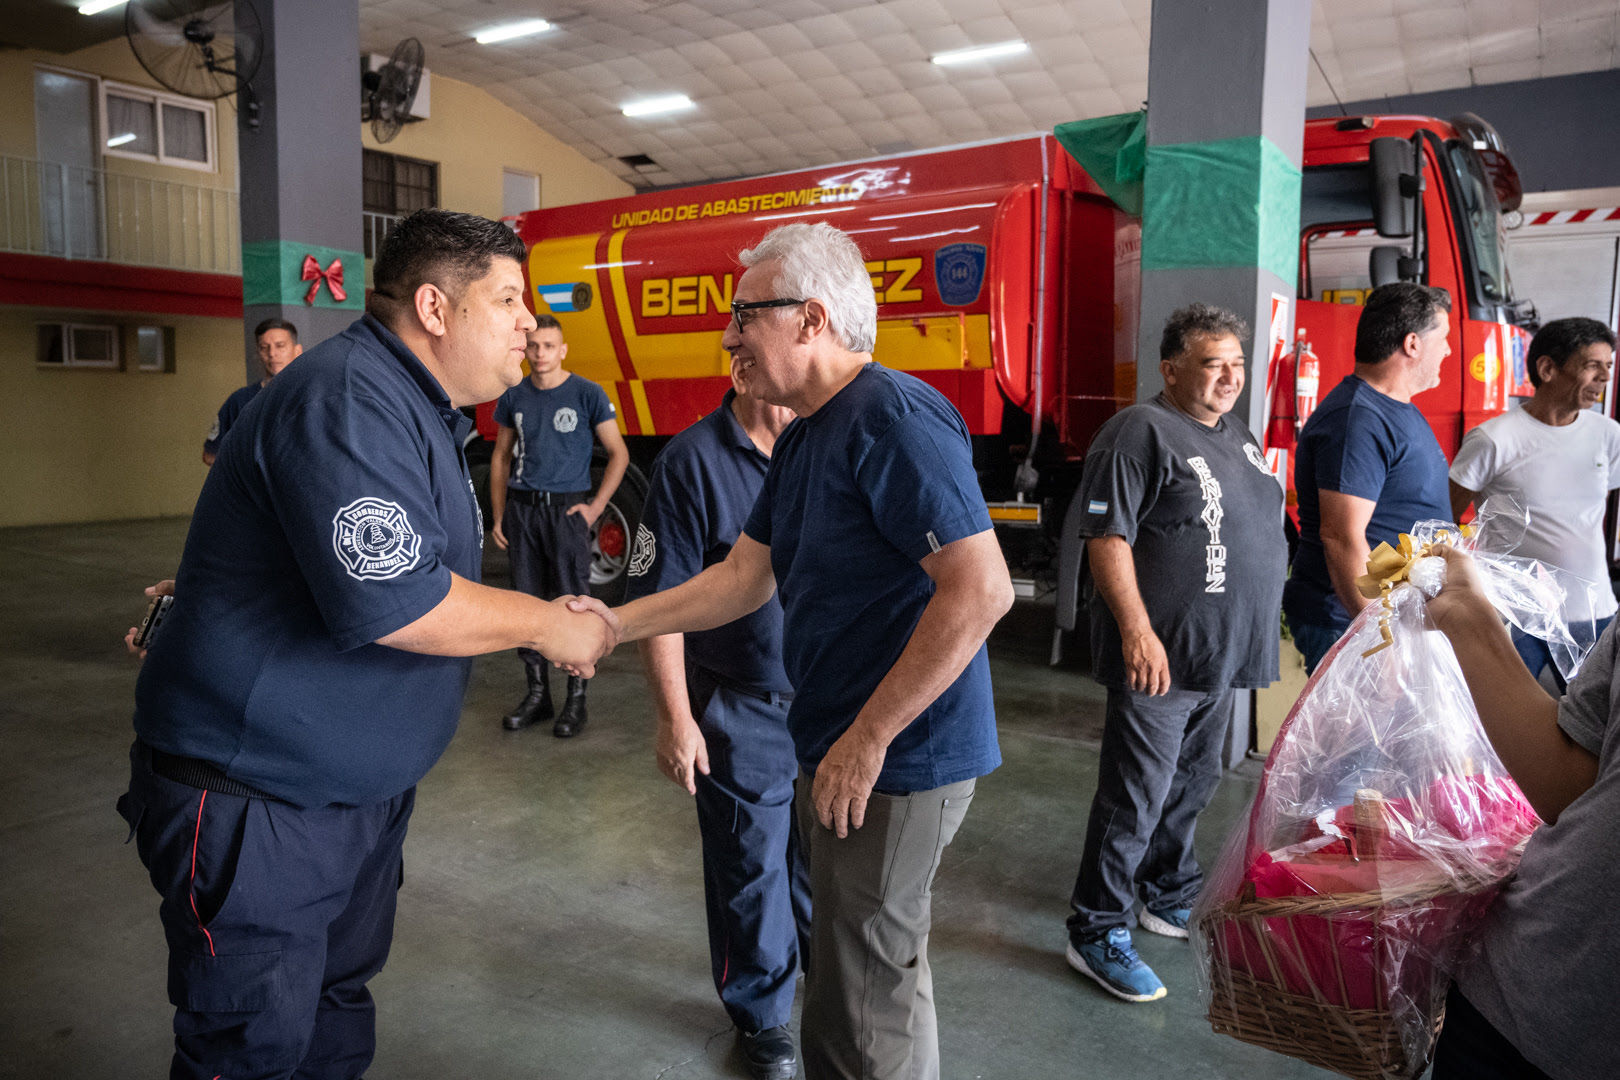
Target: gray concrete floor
551, 921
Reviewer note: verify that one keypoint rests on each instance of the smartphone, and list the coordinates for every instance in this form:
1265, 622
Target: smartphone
155, 611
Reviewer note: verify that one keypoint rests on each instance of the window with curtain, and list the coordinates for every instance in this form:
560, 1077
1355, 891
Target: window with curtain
153, 126
185, 133
130, 125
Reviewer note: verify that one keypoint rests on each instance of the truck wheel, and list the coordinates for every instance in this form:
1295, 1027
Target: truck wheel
614, 534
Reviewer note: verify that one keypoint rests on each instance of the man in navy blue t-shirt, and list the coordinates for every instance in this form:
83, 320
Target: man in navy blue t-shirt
539, 493
277, 342
722, 697
313, 665
872, 526
1368, 465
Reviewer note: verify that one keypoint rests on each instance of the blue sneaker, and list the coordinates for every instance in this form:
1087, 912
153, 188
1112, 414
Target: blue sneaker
1171, 922
1112, 961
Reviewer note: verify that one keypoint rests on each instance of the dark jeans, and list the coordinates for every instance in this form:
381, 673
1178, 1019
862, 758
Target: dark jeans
276, 918
756, 886
1536, 655
549, 550
1313, 640
1160, 764
1470, 1047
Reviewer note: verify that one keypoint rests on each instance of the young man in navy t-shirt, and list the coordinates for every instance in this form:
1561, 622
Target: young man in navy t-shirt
872, 526
1368, 465
540, 495
277, 342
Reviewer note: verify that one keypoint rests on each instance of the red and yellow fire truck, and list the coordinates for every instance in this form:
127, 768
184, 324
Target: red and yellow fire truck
1008, 280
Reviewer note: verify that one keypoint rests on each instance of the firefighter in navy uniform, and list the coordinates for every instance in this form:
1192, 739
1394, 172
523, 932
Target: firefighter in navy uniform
277, 343
539, 489
722, 697
313, 666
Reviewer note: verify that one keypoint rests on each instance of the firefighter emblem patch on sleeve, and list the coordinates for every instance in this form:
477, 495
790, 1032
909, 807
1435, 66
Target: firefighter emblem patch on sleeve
646, 550
374, 540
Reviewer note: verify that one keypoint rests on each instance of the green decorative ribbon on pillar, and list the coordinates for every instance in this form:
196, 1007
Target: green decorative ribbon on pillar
1210, 205
273, 273
1227, 203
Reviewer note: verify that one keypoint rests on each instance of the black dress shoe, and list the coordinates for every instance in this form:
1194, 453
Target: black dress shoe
769, 1053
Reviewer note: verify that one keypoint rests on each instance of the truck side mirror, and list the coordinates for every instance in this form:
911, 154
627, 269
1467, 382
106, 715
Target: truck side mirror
1384, 265
1394, 184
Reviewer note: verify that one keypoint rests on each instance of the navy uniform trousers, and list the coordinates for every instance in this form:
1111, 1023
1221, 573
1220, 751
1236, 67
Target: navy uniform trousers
276, 917
755, 882
548, 548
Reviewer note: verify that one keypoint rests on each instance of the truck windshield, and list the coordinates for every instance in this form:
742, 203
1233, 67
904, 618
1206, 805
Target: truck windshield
1480, 223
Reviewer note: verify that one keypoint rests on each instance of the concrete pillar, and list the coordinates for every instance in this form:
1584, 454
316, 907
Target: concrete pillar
1225, 131
300, 170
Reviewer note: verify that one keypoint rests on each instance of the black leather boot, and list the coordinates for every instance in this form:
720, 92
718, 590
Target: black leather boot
571, 721
769, 1053
536, 704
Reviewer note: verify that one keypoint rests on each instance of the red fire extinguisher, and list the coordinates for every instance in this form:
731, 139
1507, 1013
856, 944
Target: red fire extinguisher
1307, 380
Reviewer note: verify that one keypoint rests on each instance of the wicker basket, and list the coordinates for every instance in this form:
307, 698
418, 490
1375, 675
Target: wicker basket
1364, 1044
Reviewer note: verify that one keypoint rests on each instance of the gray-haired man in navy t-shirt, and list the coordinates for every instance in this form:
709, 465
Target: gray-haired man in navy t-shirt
872, 525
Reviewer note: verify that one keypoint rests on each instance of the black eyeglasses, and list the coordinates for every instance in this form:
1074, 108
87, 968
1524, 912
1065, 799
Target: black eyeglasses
742, 312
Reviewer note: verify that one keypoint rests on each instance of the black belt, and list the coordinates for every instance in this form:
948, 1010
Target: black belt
696, 671
197, 773
546, 498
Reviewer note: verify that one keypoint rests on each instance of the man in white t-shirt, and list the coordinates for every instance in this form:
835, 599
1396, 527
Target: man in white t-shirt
1558, 458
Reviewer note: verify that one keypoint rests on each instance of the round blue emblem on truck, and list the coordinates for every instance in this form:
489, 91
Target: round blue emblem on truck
959, 273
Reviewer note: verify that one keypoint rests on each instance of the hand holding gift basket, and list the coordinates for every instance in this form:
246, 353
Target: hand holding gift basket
1383, 827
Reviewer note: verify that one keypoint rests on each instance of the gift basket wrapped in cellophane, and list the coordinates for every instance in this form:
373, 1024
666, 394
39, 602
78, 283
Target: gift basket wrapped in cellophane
1382, 828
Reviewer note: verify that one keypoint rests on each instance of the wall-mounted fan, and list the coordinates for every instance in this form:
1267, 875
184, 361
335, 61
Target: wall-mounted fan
200, 48
389, 91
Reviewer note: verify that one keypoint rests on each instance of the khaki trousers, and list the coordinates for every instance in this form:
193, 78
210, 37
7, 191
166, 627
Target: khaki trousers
869, 997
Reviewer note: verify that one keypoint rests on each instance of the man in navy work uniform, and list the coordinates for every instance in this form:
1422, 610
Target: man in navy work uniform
312, 668
872, 524
1368, 466
539, 493
1183, 521
723, 698
277, 341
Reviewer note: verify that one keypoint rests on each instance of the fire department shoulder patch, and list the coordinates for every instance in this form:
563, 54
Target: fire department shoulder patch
374, 540
646, 550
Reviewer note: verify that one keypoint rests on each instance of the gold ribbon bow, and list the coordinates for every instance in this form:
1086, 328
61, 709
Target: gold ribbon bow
1388, 568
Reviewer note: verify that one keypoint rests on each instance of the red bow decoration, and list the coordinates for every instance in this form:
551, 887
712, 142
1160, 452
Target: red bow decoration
332, 275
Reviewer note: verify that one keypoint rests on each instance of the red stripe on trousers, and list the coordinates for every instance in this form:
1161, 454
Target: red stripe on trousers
195, 834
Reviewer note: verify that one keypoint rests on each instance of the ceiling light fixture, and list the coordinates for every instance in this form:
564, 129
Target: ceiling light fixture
669, 103
120, 140
96, 7
980, 52
513, 30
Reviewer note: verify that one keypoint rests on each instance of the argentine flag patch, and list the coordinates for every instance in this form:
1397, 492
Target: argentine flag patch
566, 296
1097, 506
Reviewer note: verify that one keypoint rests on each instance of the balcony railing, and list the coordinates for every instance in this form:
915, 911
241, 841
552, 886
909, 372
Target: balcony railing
73, 212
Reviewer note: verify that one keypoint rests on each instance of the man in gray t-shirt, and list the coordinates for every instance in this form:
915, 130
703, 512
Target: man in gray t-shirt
1536, 1000
1184, 540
